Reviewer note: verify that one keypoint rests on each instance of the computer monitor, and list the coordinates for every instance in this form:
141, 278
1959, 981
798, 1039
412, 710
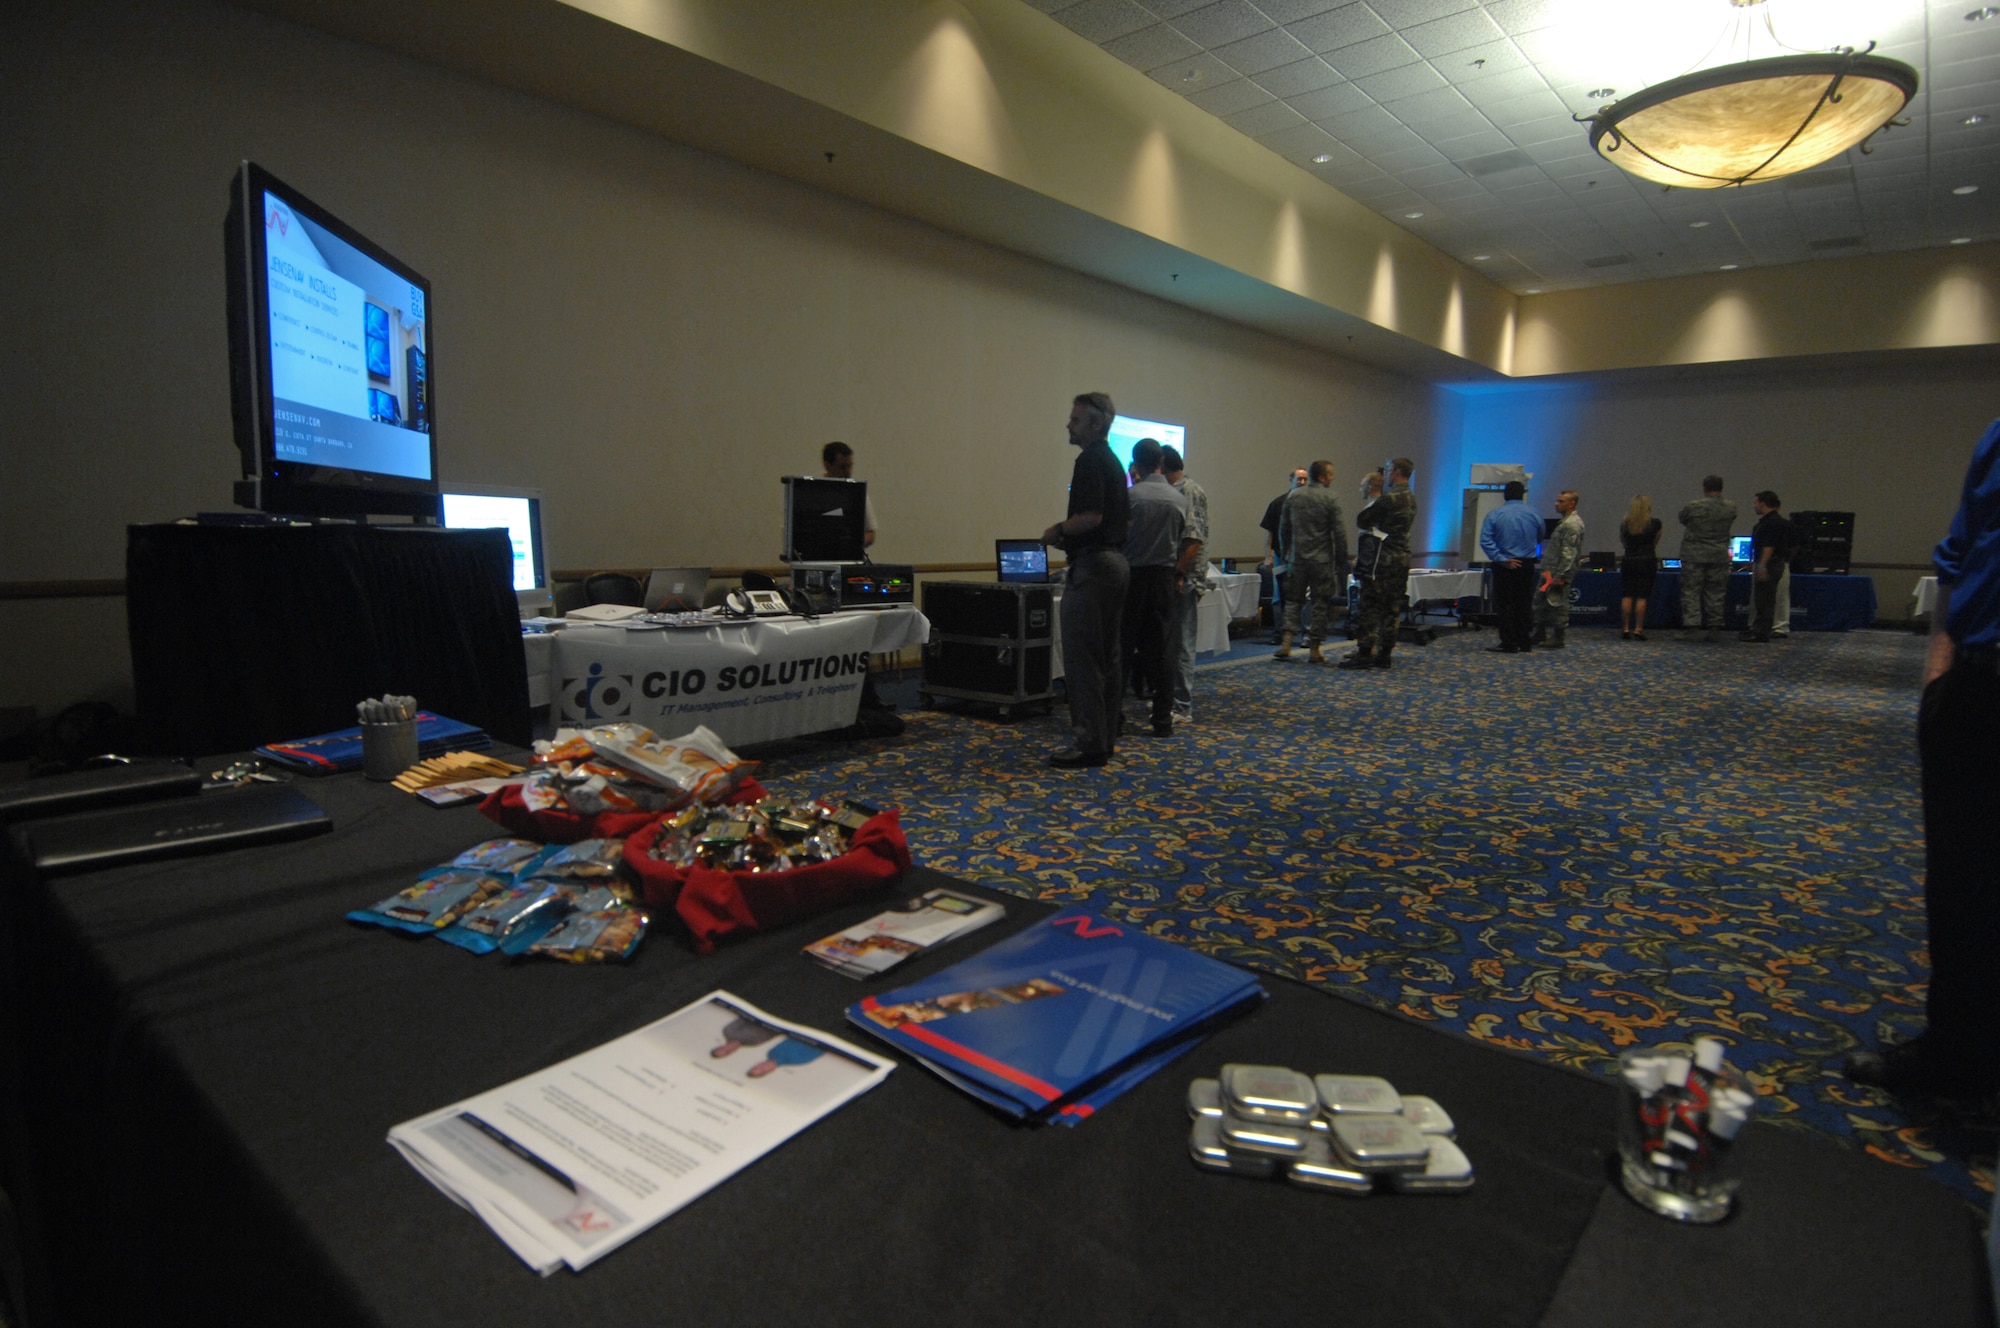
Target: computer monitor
1024, 561
826, 520
1740, 550
519, 513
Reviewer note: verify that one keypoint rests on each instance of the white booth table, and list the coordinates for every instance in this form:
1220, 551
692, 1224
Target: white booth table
1231, 595
1431, 587
1926, 596
749, 682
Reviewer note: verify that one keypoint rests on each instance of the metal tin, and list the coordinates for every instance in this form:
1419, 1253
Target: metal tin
1343, 1094
1448, 1168
1205, 1146
1381, 1143
1264, 1136
1204, 1099
1428, 1116
1268, 1093
1320, 1169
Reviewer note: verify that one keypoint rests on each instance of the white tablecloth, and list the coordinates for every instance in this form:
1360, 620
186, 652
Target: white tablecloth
1926, 596
749, 682
1431, 586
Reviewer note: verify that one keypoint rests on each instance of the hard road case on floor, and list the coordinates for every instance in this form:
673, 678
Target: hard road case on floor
991, 642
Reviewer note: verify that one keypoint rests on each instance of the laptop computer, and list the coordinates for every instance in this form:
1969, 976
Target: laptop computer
1021, 561
676, 589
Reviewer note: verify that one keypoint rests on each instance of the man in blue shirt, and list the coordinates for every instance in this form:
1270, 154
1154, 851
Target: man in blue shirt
1511, 539
1958, 739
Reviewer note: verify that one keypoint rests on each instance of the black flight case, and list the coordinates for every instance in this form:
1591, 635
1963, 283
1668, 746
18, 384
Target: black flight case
991, 642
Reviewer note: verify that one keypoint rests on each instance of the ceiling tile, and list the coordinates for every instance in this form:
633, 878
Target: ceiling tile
1518, 16
1457, 33
1300, 76
1103, 20
1230, 98
1403, 161
1474, 145
1221, 23
1344, 26
1266, 119
1290, 11
1481, 62
1397, 84
1409, 13
1300, 143
1379, 143
1326, 103
1365, 120
1372, 57
1176, 8
1149, 48
1441, 181
1497, 89
1194, 74
1267, 50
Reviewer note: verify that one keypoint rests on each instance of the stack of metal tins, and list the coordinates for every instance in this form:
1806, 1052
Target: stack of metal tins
1351, 1134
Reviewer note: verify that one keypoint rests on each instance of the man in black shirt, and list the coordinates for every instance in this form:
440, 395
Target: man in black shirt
1272, 563
1771, 546
1093, 538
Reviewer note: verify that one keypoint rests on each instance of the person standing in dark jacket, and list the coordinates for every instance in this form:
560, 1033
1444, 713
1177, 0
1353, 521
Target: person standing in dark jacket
1771, 544
1093, 537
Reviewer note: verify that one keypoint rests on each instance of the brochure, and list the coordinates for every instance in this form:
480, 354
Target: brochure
341, 749
570, 1163
1058, 1020
887, 939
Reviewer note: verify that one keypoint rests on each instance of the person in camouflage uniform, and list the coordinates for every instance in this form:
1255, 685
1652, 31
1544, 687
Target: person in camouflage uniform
1562, 556
1706, 523
1312, 539
1390, 516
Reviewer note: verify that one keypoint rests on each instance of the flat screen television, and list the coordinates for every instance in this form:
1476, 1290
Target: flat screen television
1740, 550
1126, 431
826, 520
519, 513
331, 386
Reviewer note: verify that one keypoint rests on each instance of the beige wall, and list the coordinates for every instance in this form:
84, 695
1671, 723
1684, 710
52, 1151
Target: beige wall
649, 334
1888, 444
1920, 300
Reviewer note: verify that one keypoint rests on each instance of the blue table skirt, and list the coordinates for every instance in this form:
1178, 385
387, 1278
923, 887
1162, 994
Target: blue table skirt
1819, 603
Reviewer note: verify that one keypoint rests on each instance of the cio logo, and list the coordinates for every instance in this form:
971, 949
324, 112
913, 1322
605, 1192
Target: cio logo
1081, 924
1575, 595
600, 696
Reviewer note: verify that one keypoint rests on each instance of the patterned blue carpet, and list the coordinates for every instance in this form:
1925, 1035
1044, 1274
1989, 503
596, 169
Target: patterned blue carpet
1567, 853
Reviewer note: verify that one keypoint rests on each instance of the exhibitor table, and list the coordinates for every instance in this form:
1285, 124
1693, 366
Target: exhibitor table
1819, 603
206, 1058
749, 682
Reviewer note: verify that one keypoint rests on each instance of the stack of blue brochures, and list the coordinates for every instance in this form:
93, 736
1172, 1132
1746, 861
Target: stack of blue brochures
1056, 1021
341, 749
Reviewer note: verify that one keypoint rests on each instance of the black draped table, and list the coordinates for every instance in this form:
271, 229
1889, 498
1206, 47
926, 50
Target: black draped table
245, 635
205, 1059
1819, 603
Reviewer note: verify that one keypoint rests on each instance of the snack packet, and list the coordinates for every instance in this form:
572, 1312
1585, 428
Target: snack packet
594, 936
439, 898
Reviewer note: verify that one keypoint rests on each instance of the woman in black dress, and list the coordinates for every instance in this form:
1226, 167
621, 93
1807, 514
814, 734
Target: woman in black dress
1640, 530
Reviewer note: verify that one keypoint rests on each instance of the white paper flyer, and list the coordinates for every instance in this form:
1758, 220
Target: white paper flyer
569, 1163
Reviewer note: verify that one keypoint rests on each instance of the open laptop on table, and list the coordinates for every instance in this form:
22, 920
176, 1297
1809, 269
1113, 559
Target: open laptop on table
1021, 561
676, 589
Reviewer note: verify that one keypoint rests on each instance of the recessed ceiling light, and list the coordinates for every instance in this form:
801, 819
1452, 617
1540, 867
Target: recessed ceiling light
1191, 76
1973, 119
1322, 159
1601, 94
1696, 225
1481, 258
1986, 11
1413, 215
1966, 189
1729, 267
1963, 239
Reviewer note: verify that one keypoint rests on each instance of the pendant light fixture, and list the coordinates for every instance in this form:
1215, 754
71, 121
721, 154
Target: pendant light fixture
1754, 119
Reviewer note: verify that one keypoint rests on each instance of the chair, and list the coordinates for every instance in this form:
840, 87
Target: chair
613, 588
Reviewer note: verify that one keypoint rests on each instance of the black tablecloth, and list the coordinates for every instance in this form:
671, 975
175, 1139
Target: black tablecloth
1819, 603
243, 636
208, 1058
